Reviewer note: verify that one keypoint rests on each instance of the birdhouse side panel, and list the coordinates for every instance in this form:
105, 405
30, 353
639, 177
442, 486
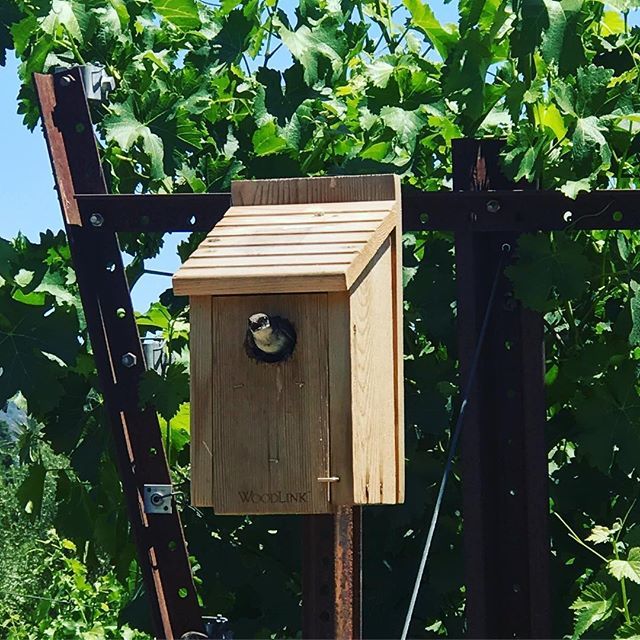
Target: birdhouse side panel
341, 492
270, 420
375, 460
201, 402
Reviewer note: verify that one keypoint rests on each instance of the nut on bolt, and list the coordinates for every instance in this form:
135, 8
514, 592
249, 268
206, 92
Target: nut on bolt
129, 360
96, 219
493, 206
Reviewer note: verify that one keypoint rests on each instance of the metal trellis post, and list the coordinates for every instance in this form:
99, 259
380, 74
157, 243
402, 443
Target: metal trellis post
106, 300
504, 475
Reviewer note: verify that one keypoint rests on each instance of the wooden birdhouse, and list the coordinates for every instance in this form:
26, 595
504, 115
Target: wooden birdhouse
318, 421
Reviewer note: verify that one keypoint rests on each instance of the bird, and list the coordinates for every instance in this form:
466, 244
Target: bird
269, 338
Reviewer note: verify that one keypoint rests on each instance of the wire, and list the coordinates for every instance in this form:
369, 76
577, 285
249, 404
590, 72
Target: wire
454, 441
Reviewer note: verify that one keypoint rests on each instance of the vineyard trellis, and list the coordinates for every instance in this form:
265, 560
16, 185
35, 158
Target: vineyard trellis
505, 497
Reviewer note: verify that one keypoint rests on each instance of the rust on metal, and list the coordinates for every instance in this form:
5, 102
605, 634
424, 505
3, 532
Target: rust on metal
332, 575
106, 300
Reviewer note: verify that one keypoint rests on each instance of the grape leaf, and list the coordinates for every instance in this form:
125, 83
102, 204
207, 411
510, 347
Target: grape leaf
562, 270
629, 630
592, 608
123, 128
181, 13
591, 151
442, 38
165, 393
629, 568
31, 490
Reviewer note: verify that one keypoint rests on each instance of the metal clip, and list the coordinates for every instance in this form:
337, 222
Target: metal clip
329, 479
97, 84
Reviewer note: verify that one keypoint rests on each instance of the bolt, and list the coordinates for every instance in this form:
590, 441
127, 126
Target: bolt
157, 499
66, 80
493, 206
129, 360
96, 220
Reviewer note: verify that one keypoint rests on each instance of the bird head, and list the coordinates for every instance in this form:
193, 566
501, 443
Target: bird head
259, 321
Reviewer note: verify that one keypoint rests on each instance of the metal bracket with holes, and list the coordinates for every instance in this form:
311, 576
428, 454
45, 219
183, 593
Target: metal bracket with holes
157, 498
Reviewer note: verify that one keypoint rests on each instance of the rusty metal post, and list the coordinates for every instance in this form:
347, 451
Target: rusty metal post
106, 300
505, 493
331, 580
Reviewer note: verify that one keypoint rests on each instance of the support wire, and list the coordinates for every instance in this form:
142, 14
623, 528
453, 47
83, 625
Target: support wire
454, 441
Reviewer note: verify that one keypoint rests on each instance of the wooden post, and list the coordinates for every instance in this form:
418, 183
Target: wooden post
505, 494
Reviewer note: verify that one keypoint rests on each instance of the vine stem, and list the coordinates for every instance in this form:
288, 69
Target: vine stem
577, 538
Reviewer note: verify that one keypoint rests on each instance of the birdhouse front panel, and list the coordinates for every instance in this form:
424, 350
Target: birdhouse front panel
296, 361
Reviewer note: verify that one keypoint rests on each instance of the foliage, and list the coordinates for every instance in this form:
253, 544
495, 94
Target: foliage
46, 586
207, 93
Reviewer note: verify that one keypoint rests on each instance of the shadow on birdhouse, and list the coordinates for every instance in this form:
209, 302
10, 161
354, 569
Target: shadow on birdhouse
296, 348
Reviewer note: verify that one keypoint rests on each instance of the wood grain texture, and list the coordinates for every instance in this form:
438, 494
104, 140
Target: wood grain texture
277, 221
195, 284
360, 237
398, 329
201, 402
373, 383
314, 190
276, 250
339, 331
270, 421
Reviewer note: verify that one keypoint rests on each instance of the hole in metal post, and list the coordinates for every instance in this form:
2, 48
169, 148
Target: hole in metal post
121, 313
424, 218
617, 216
192, 220
182, 592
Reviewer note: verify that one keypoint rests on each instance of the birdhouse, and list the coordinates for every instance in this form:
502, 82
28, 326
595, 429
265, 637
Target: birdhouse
296, 348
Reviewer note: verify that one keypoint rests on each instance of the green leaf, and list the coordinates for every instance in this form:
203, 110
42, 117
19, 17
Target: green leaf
123, 128
591, 86
607, 417
442, 38
267, 141
630, 630
629, 568
181, 13
165, 393
600, 534
560, 266
31, 491
380, 72
405, 124
561, 42
590, 151
592, 608
634, 335
314, 48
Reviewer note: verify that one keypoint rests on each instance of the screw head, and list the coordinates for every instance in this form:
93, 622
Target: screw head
96, 220
129, 360
493, 206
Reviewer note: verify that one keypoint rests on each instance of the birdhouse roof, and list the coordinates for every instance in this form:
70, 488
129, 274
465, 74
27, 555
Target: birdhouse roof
288, 248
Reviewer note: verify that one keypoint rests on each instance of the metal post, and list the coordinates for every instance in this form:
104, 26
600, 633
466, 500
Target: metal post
332, 575
505, 493
106, 300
